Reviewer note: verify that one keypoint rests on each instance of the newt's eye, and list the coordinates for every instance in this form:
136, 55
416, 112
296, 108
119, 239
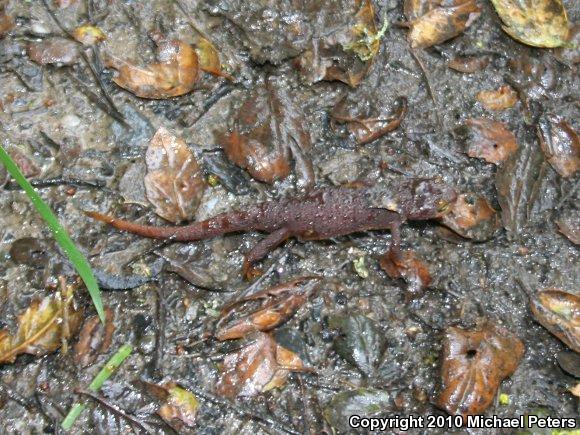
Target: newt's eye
442, 206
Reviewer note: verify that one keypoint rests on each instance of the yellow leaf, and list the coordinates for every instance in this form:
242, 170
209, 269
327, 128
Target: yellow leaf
41, 328
88, 35
180, 408
539, 23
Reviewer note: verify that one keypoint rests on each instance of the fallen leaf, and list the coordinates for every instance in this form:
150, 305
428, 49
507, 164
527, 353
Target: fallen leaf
53, 51
360, 341
6, 23
209, 59
263, 311
490, 140
570, 227
469, 64
472, 217
88, 35
367, 129
407, 266
569, 362
174, 183
41, 328
345, 49
560, 143
575, 390
94, 339
267, 129
176, 73
363, 401
256, 368
559, 312
503, 98
474, 362
539, 23
180, 409
434, 22
570, 53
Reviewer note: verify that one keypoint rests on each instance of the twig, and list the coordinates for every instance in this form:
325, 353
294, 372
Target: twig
50, 182
428, 83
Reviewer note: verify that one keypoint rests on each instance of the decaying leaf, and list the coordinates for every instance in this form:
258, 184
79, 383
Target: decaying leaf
94, 339
433, 22
42, 328
472, 217
559, 312
560, 143
88, 35
490, 140
570, 227
263, 311
256, 368
180, 409
407, 266
344, 50
360, 341
539, 23
474, 362
53, 51
209, 59
469, 64
575, 390
175, 74
363, 401
174, 183
367, 129
503, 98
267, 129
6, 23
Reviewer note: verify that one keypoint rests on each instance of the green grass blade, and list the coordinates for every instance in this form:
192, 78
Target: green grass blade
61, 236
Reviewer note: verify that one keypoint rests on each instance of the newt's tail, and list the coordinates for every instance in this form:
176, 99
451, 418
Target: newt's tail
216, 226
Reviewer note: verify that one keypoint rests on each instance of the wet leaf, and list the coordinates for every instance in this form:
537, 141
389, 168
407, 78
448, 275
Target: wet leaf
560, 143
539, 23
575, 390
94, 339
256, 368
569, 362
474, 364
469, 64
364, 401
360, 341
559, 313
433, 22
263, 311
367, 129
267, 129
472, 217
570, 227
503, 98
344, 50
407, 266
489, 140
209, 59
6, 23
88, 35
180, 409
53, 51
174, 182
42, 328
175, 74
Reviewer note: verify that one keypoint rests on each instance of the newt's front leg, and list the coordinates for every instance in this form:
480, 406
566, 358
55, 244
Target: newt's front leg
264, 246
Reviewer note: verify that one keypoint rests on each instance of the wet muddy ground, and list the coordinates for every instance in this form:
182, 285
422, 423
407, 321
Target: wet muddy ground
47, 112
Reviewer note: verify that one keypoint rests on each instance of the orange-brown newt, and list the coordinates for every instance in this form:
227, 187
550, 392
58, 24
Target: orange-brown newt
321, 214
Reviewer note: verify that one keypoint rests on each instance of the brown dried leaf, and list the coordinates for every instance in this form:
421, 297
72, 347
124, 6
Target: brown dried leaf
174, 75
266, 128
262, 311
42, 328
180, 409
256, 368
559, 312
472, 217
88, 35
474, 364
174, 182
94, 339
407, 266
560, 144
366, 130
503, 98
432, 23
6, 23
53, 51
209, 59
570, 227
575, 390
539, 23
469, 64
490, 140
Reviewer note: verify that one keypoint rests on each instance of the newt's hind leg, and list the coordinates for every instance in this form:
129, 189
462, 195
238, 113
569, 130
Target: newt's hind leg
264, 246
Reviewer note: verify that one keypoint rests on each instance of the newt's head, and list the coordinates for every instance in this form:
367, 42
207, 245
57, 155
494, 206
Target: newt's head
430, 199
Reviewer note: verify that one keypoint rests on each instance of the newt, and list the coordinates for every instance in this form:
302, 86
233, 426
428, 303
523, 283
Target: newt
321, 214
